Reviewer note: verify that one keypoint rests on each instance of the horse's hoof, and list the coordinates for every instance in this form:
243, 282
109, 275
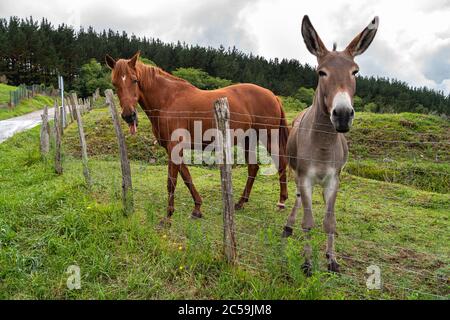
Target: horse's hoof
238, 206
307, 269
333, 266
287, 232
165, 223
196, 215
281, 206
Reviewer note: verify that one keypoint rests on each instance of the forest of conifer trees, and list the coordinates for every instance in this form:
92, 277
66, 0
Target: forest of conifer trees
34, 52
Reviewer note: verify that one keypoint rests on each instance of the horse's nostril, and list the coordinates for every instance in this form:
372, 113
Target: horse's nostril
130, 118
352, 113
335, 113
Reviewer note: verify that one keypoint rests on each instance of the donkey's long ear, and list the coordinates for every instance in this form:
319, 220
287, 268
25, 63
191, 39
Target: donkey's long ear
363, 40
132, 62
110, 62
312, 39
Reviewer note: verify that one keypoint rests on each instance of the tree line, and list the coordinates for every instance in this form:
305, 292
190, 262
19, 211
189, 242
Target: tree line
34, 52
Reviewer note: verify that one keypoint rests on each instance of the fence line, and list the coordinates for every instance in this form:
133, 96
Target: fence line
187, 115
27, 92
234, 251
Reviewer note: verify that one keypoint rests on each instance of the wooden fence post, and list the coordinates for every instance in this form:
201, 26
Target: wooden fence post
97, 94
222, 115
84, 155
70, 110
127, 188
45, 133
91, 103
58, 164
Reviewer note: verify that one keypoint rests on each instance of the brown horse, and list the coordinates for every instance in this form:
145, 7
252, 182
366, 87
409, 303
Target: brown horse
172, 103
317, 148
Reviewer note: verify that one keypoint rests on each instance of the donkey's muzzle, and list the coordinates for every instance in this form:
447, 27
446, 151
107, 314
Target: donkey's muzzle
342, 119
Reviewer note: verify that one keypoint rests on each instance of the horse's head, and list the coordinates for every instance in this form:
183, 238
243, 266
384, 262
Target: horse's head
125, 79
337, 72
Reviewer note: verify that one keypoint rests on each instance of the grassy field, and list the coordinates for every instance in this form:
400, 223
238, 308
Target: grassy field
49, 222
25, 106
4, 93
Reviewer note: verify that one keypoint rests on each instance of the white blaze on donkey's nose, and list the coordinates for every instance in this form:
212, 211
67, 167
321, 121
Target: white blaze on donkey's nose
342, 102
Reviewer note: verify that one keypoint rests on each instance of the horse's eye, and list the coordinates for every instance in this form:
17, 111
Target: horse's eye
135, 81
322, 73
355, 72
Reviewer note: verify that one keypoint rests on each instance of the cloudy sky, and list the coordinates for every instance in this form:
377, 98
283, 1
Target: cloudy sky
413, 41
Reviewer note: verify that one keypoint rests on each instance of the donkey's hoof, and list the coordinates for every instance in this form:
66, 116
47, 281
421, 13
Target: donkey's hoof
307, 269
196, 215
165, 223
287, 232
238, 206
333, 266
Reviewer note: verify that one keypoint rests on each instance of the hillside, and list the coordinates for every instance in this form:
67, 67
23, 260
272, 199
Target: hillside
420, 159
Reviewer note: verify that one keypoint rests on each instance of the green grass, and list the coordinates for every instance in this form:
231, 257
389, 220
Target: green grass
422, 137
424, 175
49, 222
4, 93
26, 106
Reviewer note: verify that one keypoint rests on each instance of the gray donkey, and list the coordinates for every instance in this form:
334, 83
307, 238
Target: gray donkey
317, 148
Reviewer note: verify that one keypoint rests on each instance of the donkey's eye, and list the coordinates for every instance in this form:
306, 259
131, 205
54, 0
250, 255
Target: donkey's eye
322, 73
355, 72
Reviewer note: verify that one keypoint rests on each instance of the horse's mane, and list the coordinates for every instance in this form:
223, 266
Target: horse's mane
147, 73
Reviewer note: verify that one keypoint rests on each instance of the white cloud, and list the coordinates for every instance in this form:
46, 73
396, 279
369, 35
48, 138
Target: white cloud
412, 43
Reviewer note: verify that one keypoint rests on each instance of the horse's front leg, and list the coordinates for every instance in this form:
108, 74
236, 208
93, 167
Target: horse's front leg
329, 223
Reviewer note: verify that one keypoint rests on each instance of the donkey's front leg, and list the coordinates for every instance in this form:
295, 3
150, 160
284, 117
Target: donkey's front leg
329, 223
305, 187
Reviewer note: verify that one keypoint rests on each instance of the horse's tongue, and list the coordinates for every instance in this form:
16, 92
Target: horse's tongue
133, 128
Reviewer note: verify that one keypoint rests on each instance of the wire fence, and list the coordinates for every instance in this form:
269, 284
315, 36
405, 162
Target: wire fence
410, 267
27, 92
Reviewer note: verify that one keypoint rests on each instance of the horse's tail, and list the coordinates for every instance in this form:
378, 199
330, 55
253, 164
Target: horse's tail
284, 131
283, 157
